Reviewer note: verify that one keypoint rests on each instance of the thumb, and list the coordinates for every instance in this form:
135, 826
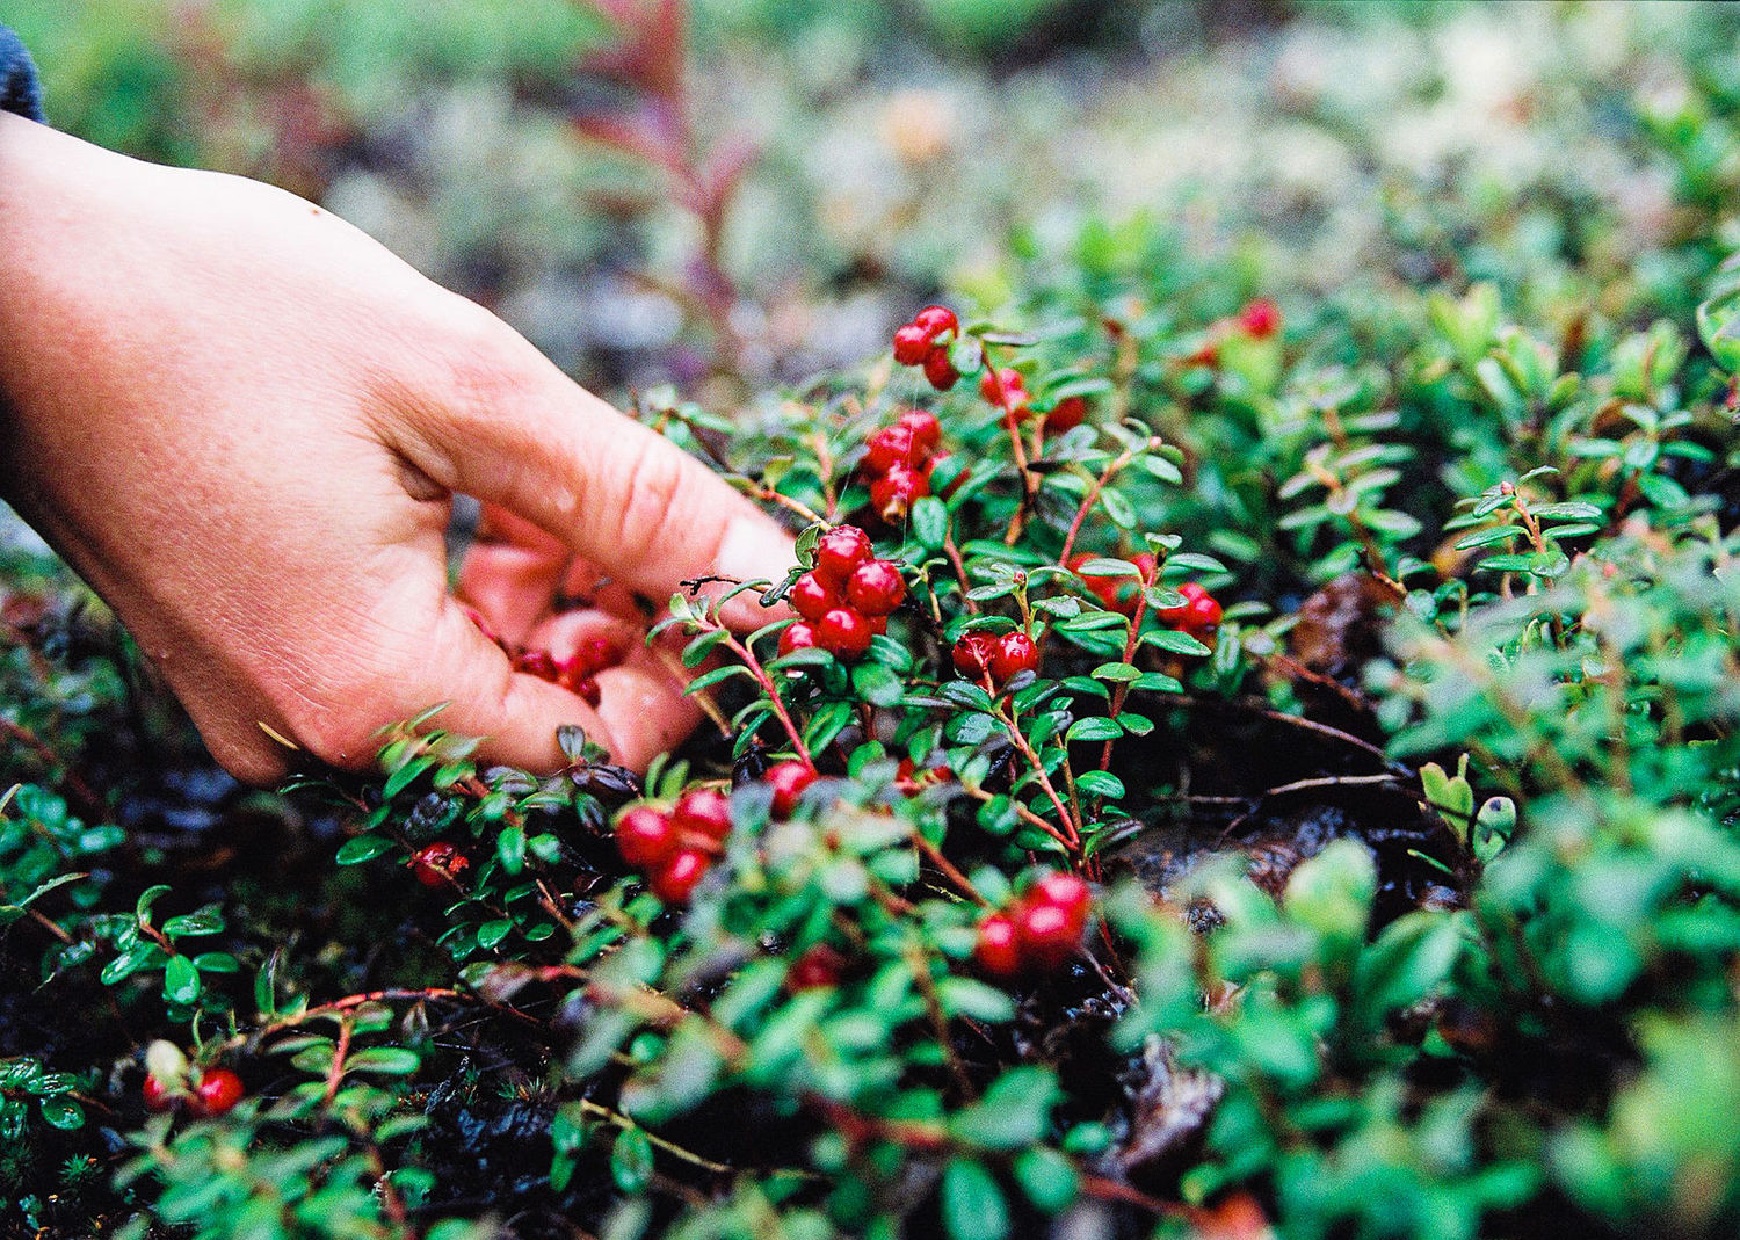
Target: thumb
523, 435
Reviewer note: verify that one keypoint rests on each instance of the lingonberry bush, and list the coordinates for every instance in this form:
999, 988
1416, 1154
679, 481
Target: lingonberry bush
1235, 759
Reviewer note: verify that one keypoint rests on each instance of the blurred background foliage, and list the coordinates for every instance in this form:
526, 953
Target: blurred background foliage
780, 181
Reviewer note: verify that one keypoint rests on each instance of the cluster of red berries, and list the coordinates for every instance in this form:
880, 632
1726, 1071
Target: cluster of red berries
1197, 615
578, 673
899, 461
438, 865
925, 342
1017, 404
981, 656
675, 848
205, 1094
1258, 320
1039, 933
845, 599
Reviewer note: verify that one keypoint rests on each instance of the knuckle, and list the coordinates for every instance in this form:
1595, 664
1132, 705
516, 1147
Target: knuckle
653, 486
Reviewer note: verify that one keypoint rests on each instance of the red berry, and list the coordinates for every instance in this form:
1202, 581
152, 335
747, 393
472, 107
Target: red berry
218, 1090
789, 779
940, 370
597, 653
926, 430
157, 1095
1065, 891
935, 320
438, 864
813, 597
893, 494
843, 633
702, 811
1066, 415
911, 345
1180, 615
972, 654
820, 965
1048, 934
1202, 613
878, 625
1013, 654
676, 879
1014, 386
797, 636
1261, 318
892, 445
838, 552
539, 663
876, 588
998, 951
644, 836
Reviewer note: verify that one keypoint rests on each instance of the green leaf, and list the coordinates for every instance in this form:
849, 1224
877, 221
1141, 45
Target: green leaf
1048, 1178
973, 1207
1014, 1113
63, 1113
384, 1060
877, 684
930, 522
1486, 537
1174, 642
706, 680
1095, 728
965, 996
510, 849
180, 981
1410, 960
363, 848
631, 1161
491, 933
1100, 784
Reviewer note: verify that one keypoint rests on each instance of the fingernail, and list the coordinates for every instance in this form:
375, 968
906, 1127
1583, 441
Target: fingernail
754, 548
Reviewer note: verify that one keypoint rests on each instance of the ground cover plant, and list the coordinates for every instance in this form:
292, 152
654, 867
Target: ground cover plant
1245, 756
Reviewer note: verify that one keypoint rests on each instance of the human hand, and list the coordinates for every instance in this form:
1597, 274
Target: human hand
243, 422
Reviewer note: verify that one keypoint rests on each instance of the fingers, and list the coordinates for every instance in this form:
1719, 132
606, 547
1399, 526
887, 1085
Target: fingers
520, 434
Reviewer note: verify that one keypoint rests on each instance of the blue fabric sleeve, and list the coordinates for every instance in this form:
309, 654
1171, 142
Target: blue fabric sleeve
18, 87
